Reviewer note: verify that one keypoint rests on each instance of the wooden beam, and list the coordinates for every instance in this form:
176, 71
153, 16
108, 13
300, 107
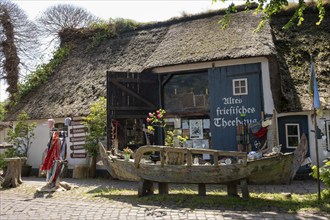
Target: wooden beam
132, 80
130, 108
150, 104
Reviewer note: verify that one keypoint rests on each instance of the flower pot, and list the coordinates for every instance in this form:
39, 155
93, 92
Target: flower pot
127, 157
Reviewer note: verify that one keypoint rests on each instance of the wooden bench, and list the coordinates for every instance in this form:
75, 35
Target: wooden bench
186, 172
146, 187
13, 173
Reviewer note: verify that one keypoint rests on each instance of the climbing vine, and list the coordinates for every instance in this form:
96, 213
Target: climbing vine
42, 72
268, 8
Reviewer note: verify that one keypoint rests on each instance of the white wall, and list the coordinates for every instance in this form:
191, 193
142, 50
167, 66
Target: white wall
39, 145
321, 143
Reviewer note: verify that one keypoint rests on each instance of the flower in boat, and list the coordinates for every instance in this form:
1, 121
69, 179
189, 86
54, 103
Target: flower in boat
128, 151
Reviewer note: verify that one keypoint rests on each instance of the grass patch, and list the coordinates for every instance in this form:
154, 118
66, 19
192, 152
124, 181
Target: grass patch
188, 198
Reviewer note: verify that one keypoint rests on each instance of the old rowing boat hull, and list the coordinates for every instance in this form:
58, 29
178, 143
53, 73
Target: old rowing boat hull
262, 171
118, 168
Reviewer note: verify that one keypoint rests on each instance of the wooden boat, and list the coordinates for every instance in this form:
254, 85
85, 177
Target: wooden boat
118, 168
275, 169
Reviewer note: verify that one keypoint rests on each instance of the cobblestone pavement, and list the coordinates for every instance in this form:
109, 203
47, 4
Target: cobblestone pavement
24, 203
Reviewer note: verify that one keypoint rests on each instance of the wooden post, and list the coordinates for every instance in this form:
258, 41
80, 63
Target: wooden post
145, 187
317, 159
201, 189
244, 188
232, 189
163, 188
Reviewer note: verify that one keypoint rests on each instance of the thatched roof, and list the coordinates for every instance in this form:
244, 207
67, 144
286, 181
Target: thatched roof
294, 47
203, 40
80, 79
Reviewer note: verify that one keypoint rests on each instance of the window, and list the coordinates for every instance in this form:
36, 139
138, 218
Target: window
292, 132
327, 128
186, 93
240, 87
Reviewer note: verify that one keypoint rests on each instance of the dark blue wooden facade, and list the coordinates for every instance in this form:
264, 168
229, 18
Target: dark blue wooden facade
228, 110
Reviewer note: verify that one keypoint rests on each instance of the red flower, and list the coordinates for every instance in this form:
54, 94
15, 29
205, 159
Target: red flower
150, 114
148, 119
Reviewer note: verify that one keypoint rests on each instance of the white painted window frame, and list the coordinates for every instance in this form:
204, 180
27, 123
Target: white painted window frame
240, 87
287, 135
327, 129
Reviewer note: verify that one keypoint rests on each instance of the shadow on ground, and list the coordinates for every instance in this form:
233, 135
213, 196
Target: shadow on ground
186, 197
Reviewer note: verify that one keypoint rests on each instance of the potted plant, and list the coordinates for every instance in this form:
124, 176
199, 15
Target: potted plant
172, 138
21, 137
127, 153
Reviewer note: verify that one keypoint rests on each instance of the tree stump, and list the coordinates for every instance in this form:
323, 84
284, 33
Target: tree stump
13, 173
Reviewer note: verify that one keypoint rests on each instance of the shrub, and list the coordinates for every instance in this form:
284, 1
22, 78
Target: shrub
22, 135
324, 172
96, 122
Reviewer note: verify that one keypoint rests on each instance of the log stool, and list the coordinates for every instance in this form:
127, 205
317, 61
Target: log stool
13, 173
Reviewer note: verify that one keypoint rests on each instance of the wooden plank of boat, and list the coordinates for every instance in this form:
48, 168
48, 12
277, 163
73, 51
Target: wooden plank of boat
163, 173
279, 169
271, 170
193, 174
118, 168
189, 172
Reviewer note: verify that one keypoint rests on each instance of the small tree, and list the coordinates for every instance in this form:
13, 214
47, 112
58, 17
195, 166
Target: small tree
2, 111
96, 122
59, 17
22, 135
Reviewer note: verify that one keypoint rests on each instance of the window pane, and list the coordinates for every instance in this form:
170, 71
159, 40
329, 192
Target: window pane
293, 141
243, 83
186, 92
236, 83
243, 90
292, 130
237, 91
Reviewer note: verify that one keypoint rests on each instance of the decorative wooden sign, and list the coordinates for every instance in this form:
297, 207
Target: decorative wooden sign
78, 130
78, 155
77, 147
77, 139
73, 123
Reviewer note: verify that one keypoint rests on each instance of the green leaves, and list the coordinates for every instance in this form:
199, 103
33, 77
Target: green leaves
324, 173
22, 135
96, 122
269, 8
43, 71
